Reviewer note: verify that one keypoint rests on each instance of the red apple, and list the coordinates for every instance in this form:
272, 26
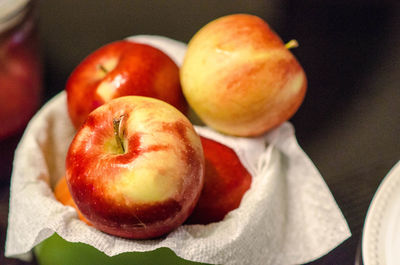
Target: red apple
225, 182
118, 69
240, 78
135, 167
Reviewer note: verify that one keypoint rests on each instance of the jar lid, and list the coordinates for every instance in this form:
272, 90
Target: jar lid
11, 11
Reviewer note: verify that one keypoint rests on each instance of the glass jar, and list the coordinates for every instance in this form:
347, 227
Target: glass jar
20, 66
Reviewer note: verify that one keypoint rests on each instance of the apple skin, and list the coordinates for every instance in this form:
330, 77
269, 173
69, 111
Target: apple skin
122, 68
226, 180
239, 77
147, 183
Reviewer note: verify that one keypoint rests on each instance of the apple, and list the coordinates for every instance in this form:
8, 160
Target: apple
122, 68
240, 78
226, 180
135, 168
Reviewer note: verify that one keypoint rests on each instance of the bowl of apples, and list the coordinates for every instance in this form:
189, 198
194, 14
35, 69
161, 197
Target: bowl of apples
159, 152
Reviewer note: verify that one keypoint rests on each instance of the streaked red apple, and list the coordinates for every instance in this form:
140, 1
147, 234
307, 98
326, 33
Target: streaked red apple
135, 168
240, 78
226, 180
122, 68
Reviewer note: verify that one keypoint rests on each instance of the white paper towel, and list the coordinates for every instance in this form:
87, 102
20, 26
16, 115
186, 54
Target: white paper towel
287, 217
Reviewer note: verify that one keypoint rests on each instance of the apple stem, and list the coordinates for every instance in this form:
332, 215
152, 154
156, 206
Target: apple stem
102, 68
292, 44
117, 131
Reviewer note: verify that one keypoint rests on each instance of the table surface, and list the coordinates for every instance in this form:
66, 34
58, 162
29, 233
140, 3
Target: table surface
348, 124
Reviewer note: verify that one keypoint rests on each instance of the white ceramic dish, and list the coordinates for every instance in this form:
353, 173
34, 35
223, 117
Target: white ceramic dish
381, 236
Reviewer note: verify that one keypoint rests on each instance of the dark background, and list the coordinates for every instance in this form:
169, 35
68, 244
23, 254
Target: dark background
349, 123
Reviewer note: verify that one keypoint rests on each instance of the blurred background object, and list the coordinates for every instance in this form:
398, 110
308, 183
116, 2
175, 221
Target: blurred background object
349, 123
20, 74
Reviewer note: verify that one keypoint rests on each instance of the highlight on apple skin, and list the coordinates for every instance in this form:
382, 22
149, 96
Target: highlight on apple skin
122, 68
240, 78
226, 181
135, 168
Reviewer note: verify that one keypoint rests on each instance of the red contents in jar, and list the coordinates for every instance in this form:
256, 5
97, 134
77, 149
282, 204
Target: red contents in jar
20, 76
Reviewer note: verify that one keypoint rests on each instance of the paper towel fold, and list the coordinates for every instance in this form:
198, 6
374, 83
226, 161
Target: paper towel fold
287, 217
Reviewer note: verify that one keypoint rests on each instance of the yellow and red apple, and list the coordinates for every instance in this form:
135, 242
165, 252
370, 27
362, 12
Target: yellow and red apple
226, 180
122, 68
135, 168
240, 78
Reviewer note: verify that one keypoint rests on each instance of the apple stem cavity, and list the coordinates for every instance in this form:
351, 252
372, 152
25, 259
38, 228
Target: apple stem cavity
292, 44
117, 132
103, 68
